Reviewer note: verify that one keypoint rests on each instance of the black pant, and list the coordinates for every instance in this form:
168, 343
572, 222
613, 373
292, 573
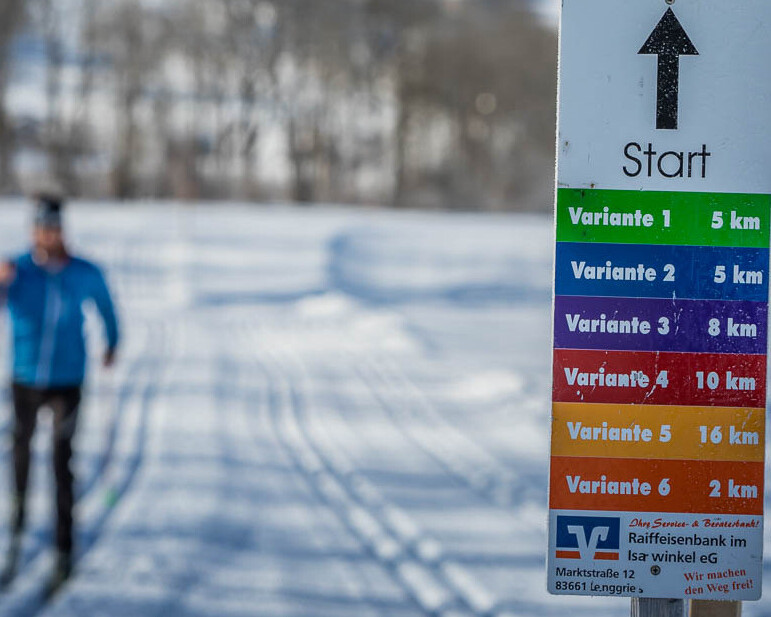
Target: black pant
64, 402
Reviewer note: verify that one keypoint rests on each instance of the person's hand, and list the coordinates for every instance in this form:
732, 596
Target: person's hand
109, 358
7, 273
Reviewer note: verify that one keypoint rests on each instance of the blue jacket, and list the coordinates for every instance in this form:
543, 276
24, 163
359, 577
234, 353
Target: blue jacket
49, 345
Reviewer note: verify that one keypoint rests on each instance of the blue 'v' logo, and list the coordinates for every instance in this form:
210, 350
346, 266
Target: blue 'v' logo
588, 537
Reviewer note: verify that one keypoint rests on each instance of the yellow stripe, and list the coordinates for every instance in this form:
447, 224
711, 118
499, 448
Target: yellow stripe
639, 431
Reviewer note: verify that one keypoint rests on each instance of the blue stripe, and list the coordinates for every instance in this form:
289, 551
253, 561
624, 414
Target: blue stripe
693, 269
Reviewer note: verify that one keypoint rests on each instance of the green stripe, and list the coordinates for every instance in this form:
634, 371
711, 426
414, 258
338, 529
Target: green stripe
746, 219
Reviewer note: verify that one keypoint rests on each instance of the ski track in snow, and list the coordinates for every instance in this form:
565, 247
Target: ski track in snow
323, 412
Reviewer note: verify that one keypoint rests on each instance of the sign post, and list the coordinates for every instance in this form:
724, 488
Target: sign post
661, 304
647, 607
707, 608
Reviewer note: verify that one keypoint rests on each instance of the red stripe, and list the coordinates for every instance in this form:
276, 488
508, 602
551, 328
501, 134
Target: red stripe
606, 556
568, 555
681, 368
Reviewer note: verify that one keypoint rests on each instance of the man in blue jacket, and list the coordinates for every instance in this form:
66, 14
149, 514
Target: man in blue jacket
45, 290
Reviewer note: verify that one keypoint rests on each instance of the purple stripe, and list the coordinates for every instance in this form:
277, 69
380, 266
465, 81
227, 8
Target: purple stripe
742, 325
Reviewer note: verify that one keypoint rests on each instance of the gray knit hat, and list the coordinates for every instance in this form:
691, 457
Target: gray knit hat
48, 211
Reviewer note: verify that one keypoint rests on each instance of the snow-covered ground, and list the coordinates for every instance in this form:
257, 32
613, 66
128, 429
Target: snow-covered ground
319, 412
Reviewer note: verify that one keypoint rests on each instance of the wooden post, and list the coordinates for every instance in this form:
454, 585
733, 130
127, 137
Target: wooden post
708, 608
656, 607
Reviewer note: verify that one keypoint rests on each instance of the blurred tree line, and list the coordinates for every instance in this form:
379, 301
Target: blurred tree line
417, 103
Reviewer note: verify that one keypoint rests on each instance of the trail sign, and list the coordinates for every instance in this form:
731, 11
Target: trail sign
661, 299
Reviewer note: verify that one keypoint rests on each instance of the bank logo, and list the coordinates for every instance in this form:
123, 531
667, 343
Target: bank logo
588, 537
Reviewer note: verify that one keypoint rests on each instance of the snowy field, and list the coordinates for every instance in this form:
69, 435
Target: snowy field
318, 413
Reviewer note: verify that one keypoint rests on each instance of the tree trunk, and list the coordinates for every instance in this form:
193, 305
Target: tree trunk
400, 146
10, 19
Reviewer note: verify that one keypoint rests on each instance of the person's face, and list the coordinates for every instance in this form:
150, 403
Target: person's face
48, 239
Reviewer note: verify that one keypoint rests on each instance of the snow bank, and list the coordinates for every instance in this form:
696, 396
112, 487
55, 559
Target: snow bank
462, 258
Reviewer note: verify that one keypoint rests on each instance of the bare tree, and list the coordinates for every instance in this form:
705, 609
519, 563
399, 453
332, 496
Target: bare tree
56, 137
133, 38
11, 12
253, 48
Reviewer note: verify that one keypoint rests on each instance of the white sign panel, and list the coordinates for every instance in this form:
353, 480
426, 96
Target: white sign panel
609, 92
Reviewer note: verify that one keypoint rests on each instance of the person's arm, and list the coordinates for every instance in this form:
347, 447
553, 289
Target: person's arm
104, 304
7, 278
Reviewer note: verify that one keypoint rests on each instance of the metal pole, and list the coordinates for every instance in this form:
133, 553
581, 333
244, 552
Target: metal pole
708, 608
656, 607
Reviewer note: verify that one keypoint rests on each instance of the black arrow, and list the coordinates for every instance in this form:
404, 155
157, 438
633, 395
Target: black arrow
668, 41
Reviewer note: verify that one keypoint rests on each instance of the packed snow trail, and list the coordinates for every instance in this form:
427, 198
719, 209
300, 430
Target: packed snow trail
318, 413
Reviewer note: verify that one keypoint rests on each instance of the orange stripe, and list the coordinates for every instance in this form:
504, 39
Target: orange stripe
689, 482
639, 431
568, 555
606, 556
